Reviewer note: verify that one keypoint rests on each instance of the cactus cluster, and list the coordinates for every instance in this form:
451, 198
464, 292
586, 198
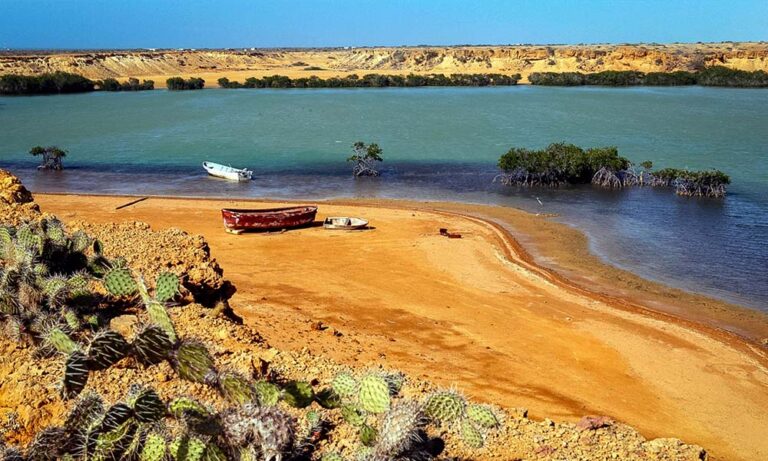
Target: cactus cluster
470, 421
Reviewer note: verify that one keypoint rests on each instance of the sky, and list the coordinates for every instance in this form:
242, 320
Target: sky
68, 24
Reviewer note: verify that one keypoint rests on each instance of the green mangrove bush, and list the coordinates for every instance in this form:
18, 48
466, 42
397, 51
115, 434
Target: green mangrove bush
374, 81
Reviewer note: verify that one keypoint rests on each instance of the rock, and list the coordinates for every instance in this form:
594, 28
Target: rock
594, 423
16, 202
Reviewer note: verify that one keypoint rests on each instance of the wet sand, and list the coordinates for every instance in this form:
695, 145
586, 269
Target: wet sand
517, 312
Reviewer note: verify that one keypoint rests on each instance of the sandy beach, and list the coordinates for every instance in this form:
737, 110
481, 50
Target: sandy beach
517, 312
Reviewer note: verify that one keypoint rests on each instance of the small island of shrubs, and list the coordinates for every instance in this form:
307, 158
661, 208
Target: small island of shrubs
178, 83
560, 163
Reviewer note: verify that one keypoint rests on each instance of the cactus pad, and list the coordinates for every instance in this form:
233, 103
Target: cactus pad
445, 406
166, 286
344, 385
187, 448
193, 362
106, 348
184, 406
120, 282
59, 340
80, 241
214, 453
328, 398
368, 435
148, 407
298, 394
115, 417
395, 382
154, 448
373, 394
400, 429
152, 345
482, 416
471, 435
353, 415
236, 389
75, 374
54, 229
268, 394
159, 316
55, 287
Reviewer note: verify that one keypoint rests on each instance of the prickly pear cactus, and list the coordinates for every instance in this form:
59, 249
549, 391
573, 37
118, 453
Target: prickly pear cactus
184, 406
54, 229
482, 416
55, 287
298, 394
214, 453
159, 316
236, 388
373, 394
445, 406
75, 375
80, 241
353, 415
395, 382
344, 385
148, 407
120, 282
368, 435
399, 430
193, 362
166, 286
328, 398
186, 448
105, 349
471, 435
60, 341
268, 394
152, 345
155, 448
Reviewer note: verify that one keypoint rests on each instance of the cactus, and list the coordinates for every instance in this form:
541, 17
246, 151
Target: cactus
115, 417
368, 435
120, 282
395, 382
71, 319
236, 389
184, 406
344, 385
445, 406
47, 444
159, 316
54, 229
267, 393
152, 345
113, 444
471, 435
154, 448
186, 448
6, 240
148, 407
75, 374
80, 241
85, 412
373, 394
55, 288
332, 457
166, 286
269, 428
298, 394
399, 430
106, 348
353, 415
328, 398
214, 453
11, 454
59, 340
482, 416
193, 362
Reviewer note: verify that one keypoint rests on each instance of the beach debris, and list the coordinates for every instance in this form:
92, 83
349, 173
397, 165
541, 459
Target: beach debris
451, 235
132, 202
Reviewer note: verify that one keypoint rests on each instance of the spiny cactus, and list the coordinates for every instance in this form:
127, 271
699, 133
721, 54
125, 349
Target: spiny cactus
353, 415
152, 345
373, 394
344, 385
193, 362
445, 406
269, 429
328, 398
154, 449
482, 416
159, 316
399, 430
106, 348
75, 374
185, 406
187, 448
57, 339
236, 388
298, 394
267, 393
148, 407
368, 435
166, 286
120, 282
471, 435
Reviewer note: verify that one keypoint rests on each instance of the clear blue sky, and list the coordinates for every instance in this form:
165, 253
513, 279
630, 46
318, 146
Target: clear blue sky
310, 23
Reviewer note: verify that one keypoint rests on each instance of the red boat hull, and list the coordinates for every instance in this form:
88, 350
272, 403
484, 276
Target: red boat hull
268, 219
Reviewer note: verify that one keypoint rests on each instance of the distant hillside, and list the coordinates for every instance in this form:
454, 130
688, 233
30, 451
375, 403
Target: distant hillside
523, 59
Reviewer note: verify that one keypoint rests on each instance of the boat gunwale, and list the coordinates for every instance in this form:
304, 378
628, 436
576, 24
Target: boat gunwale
302, 209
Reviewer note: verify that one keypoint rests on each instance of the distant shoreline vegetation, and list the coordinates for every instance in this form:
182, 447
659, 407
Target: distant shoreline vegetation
179, 84
711, 76
374, 81
65, 83
560, 163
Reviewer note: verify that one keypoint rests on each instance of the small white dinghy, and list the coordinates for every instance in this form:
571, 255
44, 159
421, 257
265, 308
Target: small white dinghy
344, 223
227, 172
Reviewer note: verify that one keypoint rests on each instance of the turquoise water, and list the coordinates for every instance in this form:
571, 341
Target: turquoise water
439, 143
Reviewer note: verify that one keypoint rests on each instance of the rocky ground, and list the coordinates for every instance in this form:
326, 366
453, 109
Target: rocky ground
29, 397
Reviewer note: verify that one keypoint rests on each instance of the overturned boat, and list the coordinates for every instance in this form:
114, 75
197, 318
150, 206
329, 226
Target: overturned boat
344, 223
237, 221
227, 172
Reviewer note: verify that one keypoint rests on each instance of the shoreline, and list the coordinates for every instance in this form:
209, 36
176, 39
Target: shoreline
474, 312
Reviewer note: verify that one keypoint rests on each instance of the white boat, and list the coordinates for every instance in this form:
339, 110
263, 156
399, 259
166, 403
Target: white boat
227, 172
344, 223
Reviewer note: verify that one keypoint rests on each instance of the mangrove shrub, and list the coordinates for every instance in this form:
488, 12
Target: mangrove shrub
48, 83
178, 83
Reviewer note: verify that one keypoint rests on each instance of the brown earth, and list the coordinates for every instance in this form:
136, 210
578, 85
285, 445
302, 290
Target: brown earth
478, 313
512, 59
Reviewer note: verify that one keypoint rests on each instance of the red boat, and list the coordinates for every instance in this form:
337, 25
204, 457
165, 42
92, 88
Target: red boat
237, 221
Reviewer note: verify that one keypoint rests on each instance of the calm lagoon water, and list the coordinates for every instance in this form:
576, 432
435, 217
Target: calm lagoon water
439, 143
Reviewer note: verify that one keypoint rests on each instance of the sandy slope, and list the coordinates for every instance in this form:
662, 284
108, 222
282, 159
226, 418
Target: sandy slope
522, 59
473, 313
